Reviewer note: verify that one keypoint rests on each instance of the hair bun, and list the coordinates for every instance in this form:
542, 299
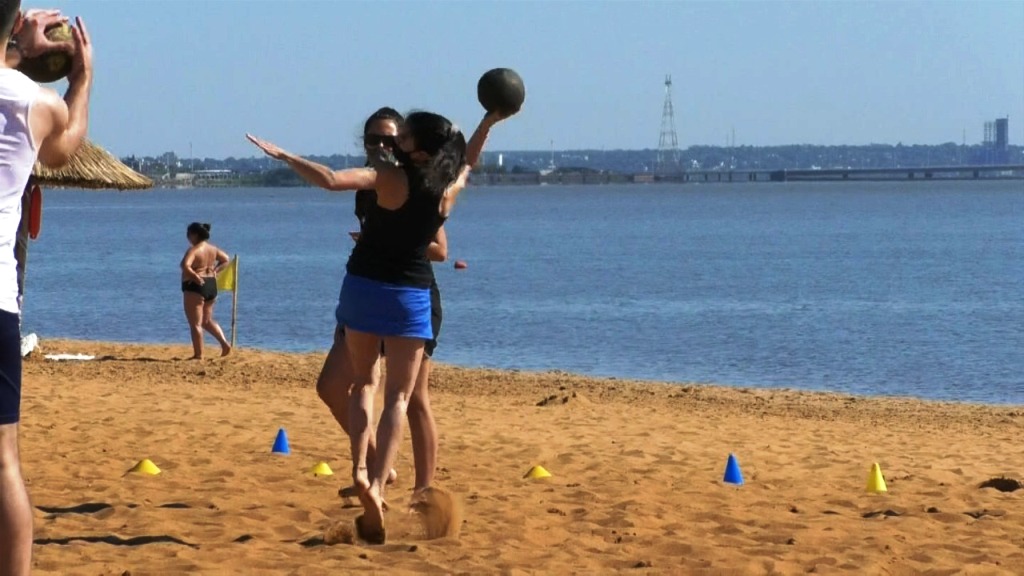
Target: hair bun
206, 227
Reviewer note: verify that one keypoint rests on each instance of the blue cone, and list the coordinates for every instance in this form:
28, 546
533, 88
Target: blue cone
732, 472
281, 443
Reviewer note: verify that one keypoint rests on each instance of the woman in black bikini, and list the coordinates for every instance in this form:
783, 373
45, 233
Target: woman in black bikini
199, 269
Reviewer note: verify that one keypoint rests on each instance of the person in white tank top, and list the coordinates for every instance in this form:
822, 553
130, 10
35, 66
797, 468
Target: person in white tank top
35, 123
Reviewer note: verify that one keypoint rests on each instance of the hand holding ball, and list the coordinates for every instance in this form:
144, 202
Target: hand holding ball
54, 65
501, 90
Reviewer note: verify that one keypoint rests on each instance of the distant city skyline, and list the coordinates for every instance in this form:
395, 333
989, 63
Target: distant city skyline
198, 75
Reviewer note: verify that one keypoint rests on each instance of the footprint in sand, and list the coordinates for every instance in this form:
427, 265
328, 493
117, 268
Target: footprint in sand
1002, 484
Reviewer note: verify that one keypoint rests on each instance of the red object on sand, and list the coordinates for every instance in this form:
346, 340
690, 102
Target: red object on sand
35, 212
460, 264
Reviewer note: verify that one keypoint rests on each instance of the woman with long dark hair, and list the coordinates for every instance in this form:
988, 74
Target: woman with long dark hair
385, 296
334, 385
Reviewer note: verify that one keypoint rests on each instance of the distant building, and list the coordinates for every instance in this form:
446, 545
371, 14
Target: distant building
997, 141
1002, 134
214, 174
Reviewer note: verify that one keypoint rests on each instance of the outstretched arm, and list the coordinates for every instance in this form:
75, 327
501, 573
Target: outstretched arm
318, 174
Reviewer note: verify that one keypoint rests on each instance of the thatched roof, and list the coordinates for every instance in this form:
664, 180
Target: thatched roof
94, 168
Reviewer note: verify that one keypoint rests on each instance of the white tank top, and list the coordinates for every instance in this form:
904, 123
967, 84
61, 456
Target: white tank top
17, 157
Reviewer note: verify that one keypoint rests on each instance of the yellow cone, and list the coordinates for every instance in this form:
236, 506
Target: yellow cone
876, 483
322, 469
146, 466
537, 473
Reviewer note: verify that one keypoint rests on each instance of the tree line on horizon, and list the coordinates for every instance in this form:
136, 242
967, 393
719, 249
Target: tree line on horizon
266, 171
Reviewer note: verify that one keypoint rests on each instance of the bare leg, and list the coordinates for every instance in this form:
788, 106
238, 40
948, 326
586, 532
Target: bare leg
194, 315
212, 327
363, 351
334, 386
404, 356
15, 510
423, 428
371, 446
335, 382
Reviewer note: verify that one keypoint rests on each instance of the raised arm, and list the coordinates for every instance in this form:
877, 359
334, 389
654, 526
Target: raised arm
318, 174
437, 251
61, 125
452, 192
475, 146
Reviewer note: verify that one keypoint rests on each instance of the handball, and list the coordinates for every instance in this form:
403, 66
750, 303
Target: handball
501, 90
54, 65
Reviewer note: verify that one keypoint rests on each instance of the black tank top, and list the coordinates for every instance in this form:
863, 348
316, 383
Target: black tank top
392, 247
365, 200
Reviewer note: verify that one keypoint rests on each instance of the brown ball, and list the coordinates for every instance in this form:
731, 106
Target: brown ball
501, 90
52, 66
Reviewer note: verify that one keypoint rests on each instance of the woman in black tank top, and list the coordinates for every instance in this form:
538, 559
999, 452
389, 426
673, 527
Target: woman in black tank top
385, 295
335, 381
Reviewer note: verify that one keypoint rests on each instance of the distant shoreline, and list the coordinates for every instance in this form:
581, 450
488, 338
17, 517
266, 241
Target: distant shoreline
620, 166
593, 177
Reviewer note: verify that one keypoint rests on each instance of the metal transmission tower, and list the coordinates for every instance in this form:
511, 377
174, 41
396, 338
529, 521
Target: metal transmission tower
668, 144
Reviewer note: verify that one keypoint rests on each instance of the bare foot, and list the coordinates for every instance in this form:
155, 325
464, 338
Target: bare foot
366, 534
370, 526
225, 350
353, 491
195, 358
361, 481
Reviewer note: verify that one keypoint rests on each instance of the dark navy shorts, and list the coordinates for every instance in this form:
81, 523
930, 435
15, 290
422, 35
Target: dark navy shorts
436, 315
10, 368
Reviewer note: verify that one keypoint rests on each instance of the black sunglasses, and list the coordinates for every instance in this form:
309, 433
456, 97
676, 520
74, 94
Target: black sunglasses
375, 140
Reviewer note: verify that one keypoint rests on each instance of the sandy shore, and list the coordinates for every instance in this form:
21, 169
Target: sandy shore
636, 487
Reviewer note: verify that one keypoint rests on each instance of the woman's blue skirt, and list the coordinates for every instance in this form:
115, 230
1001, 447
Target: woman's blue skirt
384, 309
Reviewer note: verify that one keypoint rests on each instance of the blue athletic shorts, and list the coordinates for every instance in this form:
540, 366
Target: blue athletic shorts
10, 368
384, 309
436, 317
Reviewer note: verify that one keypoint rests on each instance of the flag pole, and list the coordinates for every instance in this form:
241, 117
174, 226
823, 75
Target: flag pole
234, 305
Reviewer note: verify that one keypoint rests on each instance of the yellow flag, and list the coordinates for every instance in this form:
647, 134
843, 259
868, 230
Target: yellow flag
228, 276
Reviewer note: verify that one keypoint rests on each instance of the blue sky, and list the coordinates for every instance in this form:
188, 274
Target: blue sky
305, 73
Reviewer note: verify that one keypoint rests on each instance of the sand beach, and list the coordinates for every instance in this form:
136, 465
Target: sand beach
636, 467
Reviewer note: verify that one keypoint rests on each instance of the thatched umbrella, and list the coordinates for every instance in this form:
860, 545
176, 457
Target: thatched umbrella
91, 167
